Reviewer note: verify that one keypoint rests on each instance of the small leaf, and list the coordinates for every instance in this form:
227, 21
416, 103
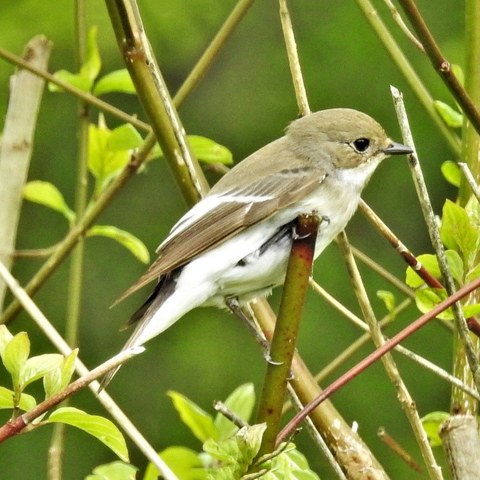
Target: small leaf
101, 428
38, 366
5, 337
430, 263
431, 424
114, 471
457, 231
47, 194
124, 137
451, 172
451, 117
103, 162
15, 356
91, 67
473, 274
428, 298
199, 421
117, 81
57, 379
73, 79
26, 403
455, 263
388, 298
236, 453
184, 463
241, 401
129, 241
209, 151
471, 310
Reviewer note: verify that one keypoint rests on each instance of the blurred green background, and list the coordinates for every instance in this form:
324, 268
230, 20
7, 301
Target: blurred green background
245, 101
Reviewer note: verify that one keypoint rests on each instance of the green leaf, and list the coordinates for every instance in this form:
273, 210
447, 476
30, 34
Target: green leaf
184, 463
15, 356
92, 65
73, 79
101, 428
48, 195
124, 137
236, 453
431, 424
451, 117
103, 162
129, 241
428, 298
26, 403
196, 419
473, 274
57, 379
114, 471
451, 172
430, 263
455, 264
388, 298
5, 338
241, 401
116, 81
471, 310
209, 151
291, 464
457, 231
38, 366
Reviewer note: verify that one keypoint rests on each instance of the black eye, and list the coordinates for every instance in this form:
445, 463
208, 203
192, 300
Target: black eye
361, 144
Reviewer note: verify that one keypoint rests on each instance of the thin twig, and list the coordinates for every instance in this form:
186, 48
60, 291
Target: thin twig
86, 97
403, 26
208, 56
378, 353
471, 181
372, 16
398, 449
108, 403
79, 229
389, 364
440, 63
294, 62
432, 226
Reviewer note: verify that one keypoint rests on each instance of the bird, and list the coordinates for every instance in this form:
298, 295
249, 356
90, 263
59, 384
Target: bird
234, 244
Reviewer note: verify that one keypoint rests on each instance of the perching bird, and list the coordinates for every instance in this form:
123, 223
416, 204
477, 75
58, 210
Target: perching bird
235, 243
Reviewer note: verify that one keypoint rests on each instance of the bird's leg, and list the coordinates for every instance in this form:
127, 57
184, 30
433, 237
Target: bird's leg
234, 306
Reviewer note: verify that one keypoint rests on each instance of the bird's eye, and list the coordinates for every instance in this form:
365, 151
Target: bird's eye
361, 144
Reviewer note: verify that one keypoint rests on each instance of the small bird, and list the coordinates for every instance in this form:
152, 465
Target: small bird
235, 242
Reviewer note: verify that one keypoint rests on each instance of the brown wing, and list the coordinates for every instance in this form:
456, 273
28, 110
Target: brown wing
279, 189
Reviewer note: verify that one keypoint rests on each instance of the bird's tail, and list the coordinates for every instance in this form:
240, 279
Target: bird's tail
143, 317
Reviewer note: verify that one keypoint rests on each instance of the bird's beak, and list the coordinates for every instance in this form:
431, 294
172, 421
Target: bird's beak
397, 149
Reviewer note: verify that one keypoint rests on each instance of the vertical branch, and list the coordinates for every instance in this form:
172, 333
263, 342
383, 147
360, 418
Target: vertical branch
403, 394
75, 278
154, 96
470, 138
294, 62
16, 145
286, 328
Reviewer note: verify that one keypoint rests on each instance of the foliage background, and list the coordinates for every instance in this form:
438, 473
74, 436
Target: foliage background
245, 101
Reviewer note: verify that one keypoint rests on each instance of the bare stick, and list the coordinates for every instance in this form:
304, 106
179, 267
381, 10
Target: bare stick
105, 399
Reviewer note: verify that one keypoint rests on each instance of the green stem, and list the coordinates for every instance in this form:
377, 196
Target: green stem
72, 317
371, 14
462, 403
155, 98
441, 64
212, 50
286, 329
79, 229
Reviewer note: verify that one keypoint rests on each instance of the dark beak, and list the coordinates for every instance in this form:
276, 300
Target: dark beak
397, 149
